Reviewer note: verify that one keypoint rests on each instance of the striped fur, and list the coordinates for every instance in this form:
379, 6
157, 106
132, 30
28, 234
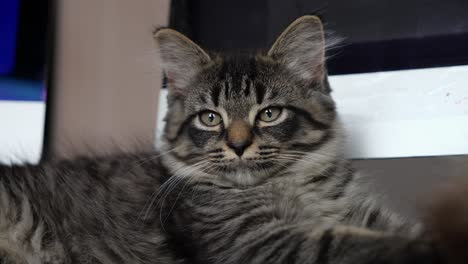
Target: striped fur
83, 211
289, 196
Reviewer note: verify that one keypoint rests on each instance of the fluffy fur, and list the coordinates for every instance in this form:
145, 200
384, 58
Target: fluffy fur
265, 182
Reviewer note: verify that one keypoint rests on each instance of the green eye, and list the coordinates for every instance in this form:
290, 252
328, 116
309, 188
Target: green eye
210, 119
270, 114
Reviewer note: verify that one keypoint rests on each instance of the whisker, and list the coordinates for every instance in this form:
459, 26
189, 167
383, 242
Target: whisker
216, 150
267, 147
157, 193
309, 154
293, 159
190, 170
200, 166
147, 208
217, 156
268, 152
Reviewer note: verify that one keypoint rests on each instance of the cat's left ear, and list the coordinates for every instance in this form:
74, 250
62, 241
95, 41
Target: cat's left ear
301, 48
181, 58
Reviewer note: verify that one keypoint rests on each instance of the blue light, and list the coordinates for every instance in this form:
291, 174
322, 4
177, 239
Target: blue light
9, 16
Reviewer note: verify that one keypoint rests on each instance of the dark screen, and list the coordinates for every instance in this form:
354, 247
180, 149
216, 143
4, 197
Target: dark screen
377, 35
25, 37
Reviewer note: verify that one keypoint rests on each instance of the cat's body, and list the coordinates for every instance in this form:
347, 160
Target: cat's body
102, 211
83, 211
288, 221
252, 171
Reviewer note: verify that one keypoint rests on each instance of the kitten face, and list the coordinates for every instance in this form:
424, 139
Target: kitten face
246, 118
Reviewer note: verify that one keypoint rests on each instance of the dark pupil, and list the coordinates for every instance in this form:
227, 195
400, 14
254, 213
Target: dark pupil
269, 113
211, 117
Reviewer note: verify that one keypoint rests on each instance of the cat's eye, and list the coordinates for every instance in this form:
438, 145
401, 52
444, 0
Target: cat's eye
270, 114
211, 119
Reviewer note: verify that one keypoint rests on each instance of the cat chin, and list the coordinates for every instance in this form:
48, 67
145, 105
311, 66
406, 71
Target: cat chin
245, 177
240, 175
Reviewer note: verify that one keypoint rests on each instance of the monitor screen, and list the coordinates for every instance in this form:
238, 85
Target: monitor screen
376, 36
24, 35
26, 47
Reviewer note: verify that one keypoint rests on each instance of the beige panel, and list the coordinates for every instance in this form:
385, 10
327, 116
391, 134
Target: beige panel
107, 80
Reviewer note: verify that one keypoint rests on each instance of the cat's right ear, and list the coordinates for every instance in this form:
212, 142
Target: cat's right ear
301, 48
181, 58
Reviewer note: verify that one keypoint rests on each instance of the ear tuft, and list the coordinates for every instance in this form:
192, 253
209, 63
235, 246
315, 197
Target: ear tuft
301, 47
181, 58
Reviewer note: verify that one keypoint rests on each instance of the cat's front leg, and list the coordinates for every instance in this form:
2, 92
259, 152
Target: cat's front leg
348, 244
333, 245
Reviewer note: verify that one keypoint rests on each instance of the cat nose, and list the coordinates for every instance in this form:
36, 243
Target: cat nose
240, 147
239, 136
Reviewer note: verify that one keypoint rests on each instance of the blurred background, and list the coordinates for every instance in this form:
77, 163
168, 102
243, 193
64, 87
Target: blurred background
82, 77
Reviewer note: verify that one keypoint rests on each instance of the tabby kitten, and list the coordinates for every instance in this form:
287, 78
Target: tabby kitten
252, 171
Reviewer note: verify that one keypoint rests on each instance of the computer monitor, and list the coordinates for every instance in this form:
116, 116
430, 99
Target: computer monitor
25, 49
